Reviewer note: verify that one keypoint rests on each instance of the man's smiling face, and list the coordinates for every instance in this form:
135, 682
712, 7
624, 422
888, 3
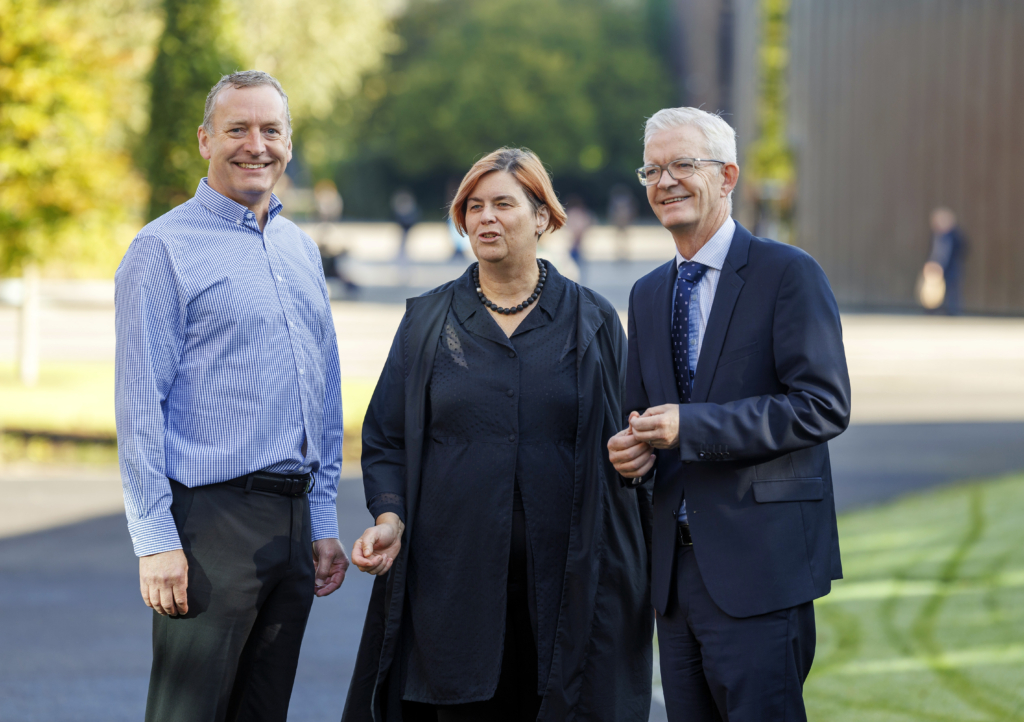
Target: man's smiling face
250, 144
684, 203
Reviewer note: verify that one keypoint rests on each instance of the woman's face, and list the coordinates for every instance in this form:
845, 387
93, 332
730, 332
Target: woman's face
501, 221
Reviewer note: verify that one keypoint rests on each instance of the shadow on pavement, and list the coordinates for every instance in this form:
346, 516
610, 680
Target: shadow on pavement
76, 636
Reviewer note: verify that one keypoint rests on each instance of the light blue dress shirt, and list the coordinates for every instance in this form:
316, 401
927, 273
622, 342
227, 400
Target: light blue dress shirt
712, 254
227, 361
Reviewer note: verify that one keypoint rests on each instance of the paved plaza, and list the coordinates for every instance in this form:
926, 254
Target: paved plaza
75, 635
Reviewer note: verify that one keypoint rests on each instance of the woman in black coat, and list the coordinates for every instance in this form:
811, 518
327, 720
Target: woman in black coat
512, 562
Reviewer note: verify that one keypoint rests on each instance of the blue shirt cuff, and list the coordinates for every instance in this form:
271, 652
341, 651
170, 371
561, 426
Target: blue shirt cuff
154, 534
324, 521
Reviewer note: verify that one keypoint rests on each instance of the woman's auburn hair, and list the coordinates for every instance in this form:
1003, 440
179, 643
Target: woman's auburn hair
526, 168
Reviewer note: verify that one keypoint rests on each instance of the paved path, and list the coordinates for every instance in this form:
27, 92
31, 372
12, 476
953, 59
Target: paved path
75, 635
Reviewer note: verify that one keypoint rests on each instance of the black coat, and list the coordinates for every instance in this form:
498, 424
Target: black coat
601, 667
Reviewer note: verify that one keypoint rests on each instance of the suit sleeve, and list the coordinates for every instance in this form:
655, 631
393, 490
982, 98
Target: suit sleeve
383, 456
810, 363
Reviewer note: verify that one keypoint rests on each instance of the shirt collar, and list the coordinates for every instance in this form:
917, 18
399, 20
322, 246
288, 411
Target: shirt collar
229, 209
713, 253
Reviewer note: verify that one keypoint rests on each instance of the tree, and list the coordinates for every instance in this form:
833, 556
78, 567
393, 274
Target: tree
571, 79
193, 53
771, 170
66, 72
318, 50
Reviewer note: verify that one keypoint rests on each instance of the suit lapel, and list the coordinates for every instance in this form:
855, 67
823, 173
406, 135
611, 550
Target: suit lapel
729, 286
661, 321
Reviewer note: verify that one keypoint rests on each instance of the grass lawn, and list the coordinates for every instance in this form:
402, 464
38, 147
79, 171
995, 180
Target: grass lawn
929, 622
78, 398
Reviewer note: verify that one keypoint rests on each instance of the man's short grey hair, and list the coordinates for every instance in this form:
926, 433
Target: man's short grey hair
244, 79
719, 136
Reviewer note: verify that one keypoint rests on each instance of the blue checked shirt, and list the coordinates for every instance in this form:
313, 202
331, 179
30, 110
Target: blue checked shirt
712, 254
227, 360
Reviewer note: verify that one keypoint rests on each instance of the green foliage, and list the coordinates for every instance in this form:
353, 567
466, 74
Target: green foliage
318, 50
193, 53
68, 79
770, 156
571, 79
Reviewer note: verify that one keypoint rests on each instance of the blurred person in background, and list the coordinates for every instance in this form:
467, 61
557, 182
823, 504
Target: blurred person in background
329, 207
578, 221
407, 214
229, 424
949, 247
460, 242
736, 381
511, 560
621, 214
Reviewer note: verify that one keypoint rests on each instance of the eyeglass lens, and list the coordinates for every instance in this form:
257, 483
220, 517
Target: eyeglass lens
679, 169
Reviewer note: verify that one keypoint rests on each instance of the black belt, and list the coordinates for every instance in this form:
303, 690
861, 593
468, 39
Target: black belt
284, 484
685, 540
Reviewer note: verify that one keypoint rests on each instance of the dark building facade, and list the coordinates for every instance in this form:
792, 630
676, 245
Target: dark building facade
896, 107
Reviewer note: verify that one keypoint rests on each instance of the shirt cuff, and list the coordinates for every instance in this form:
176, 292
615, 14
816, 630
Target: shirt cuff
154, 534
324, 521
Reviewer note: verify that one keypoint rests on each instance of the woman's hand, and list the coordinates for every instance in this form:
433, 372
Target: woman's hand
375, 551
630, 456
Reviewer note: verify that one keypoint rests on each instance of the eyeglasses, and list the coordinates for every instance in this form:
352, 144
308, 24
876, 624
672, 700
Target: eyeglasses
679, 169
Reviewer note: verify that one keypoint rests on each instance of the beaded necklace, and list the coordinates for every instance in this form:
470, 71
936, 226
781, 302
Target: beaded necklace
514, 309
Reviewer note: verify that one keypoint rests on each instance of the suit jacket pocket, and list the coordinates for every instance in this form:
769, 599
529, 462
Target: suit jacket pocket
737, 353
788, 490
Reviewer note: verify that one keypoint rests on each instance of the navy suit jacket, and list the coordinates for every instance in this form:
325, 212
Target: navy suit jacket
771, 389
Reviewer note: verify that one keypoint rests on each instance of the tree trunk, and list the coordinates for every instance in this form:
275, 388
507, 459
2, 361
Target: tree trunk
28, 328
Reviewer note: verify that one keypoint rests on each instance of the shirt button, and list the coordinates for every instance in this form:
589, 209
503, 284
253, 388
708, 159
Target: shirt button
302, 371
511, 437
511, 354
278, 279
510, 393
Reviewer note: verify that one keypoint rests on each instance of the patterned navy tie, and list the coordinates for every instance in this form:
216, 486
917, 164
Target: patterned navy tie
690, 274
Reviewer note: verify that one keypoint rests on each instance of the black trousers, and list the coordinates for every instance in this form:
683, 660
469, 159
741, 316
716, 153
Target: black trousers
250, 589
715, 667
516, 698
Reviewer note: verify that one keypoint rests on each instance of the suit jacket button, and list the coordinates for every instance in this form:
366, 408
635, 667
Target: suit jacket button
701, 455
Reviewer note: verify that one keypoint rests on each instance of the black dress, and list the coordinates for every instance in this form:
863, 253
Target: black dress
499, 459
453, 478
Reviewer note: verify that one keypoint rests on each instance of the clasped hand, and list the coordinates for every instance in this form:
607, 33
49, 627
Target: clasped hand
631, 451
375, 551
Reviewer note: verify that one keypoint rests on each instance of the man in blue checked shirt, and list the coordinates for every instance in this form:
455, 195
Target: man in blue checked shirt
229, 422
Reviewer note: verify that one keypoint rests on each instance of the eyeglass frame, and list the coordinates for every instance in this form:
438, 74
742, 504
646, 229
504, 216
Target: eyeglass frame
665, 169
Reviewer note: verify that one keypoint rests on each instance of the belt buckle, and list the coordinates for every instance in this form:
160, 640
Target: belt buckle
309, 485
685, 539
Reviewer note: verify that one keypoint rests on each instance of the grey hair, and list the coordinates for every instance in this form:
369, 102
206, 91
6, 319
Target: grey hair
244, 79
719, 136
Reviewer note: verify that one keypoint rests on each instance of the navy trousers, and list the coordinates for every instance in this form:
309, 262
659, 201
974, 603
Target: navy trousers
720, 668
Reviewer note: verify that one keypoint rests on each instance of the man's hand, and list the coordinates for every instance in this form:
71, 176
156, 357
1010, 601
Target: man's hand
659, 426
376, 549
163, 580
631, 457
331, 563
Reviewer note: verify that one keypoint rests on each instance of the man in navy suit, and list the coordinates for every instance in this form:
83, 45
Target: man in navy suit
736, 380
